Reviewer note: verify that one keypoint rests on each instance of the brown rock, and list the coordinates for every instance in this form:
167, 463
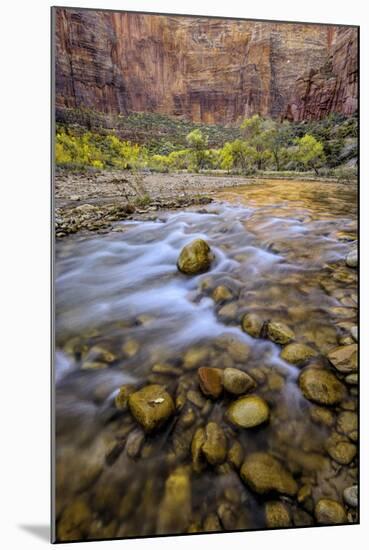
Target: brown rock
321, 386
297, 354
195, 257
264, 473
329, 512
237, 382
248, 411
211, 381
151, 406
277, 515
252, 324
280, 333
214, 447
175, 508
222, 294
344, 358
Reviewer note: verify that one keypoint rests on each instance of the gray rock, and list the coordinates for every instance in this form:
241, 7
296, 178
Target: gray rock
350, 496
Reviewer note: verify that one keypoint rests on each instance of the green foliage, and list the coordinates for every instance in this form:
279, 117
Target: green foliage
310, 152
257, 144
198, 143
237, 155
97, 151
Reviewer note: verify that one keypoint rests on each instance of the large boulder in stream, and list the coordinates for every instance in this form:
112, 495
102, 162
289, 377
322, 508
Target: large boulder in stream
195, 257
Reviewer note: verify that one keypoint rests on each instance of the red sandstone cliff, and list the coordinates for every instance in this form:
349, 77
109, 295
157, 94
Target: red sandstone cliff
208, 70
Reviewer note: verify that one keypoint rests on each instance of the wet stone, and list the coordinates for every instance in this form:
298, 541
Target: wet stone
280, 333
263, 474
134, 443
211, 381
352, 258
321, 415
175, 508
221, 294
347, 422
340, 449
248, 411
214, 447
228, 311
344, 358
277, 515
212, 524
121, 399
236, 455
151, 406
196, 257
321, 386
194, 358
297, 354
329, 512
237, 382
198, 462
350, 496
252, 324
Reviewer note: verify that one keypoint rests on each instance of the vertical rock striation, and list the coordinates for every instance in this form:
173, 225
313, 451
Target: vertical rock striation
206, 70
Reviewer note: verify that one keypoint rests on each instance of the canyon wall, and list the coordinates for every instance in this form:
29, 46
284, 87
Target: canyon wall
204, 70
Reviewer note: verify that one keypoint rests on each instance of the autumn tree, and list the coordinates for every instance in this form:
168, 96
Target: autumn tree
310, 152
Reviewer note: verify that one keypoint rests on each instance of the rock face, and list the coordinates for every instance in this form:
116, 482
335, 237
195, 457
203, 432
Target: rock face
332, 87
206, 70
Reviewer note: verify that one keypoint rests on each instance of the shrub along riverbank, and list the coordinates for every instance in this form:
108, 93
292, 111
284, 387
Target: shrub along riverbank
257, 146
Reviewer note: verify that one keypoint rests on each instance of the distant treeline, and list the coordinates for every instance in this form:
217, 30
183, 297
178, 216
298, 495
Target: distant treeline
257, 144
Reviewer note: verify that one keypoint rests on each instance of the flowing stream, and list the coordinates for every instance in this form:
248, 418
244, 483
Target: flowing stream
123, 307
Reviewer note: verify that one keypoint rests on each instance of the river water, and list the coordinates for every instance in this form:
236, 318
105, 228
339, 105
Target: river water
122, 307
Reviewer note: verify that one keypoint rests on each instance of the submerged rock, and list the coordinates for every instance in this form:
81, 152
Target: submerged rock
280, 333
221, 294
344, 358
329, 512
252, 324
194, 357
322, 415
198, 441
351, 497
195, 257
352, 258
235, 455
297, 354
321, 386
239, 351
151, 406
211, 381
277, 515
263, 473
340, 449
248, 411
175, 508
214, 447
237, 382
121, 399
